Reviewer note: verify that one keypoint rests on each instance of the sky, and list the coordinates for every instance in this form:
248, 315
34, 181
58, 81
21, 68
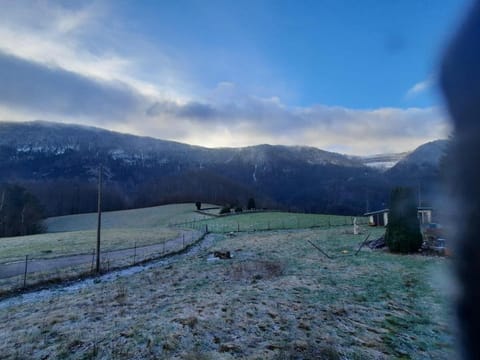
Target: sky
355, 77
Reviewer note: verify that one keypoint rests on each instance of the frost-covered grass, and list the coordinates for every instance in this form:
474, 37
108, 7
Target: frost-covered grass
278, 298
76, 234
79, 242
255, 221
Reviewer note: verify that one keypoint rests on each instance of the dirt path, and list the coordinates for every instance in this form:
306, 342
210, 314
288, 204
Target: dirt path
36, 265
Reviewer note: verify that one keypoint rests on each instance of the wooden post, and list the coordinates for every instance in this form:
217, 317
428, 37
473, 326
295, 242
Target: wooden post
318, 248
134, 252
363, 243
25, 273
99, 218
238, 227
183, 241
93, 259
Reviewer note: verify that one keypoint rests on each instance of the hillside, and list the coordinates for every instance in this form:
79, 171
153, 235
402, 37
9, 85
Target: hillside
59, 164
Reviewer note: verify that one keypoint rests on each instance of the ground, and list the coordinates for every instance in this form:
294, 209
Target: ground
277, 298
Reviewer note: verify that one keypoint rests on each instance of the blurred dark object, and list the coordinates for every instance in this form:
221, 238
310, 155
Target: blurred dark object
460, 80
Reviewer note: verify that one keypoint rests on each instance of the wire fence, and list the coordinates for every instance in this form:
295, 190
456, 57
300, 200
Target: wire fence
237, 224
35, 270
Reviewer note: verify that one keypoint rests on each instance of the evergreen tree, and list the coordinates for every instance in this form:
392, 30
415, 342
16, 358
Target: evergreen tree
20, 212
251, 204
403, 228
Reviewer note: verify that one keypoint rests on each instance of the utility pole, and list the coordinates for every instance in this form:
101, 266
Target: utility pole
99, 221
419, 194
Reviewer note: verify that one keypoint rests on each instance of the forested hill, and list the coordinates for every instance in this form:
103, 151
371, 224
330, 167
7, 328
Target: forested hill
59, 164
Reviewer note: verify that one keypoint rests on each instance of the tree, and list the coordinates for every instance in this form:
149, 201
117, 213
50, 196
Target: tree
198, 204
403, 229
226, 209
20, 212
251, 204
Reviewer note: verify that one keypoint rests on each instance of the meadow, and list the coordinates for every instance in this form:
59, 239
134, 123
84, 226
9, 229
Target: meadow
265, 220
277, 298
76, 234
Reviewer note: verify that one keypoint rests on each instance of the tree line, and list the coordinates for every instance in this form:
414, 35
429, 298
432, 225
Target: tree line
20, 211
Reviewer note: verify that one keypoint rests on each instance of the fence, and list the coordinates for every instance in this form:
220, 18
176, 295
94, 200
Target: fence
36, 270
235, 224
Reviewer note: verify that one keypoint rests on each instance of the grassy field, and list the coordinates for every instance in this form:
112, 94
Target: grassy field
157, 216
256, 221
79, 242
278, 298
76, 234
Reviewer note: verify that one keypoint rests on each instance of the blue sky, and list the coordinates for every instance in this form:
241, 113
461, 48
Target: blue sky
350, 76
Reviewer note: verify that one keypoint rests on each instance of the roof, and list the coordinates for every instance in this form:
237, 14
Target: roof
424, 208
376, 212
419, 208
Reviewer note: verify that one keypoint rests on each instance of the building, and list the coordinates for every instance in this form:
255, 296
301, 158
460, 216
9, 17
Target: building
377, 218
380, 217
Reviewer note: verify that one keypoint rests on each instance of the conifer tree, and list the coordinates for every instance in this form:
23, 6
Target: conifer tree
403, 228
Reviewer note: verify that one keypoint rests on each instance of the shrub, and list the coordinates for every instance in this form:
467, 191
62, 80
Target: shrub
403, 229
225, 210
198, 204
238, 209
251, 204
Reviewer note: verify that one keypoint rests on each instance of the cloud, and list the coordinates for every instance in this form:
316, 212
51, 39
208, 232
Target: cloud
252, 120
421, 87
35, 88
63, 64
77, 38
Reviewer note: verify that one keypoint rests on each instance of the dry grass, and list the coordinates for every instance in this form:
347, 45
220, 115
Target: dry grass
302, 305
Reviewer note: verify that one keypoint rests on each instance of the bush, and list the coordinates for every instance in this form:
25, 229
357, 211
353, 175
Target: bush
403, 229
251, 204
225, 210
198, 204
238, 209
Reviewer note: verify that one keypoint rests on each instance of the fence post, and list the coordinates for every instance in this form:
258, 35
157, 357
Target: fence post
134, 252
93, 259
25, 273
238, 227
183, 241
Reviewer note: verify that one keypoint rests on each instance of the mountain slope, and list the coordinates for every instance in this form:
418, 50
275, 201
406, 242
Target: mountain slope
59, 163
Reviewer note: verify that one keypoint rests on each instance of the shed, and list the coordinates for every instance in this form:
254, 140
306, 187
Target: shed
380, 217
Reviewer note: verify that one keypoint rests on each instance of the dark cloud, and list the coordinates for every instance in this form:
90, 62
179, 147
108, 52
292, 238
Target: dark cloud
191, 110
39, 88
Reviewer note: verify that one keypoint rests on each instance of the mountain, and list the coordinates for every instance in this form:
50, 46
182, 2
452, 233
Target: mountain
59, 163
382, 161
420, 169
423, 161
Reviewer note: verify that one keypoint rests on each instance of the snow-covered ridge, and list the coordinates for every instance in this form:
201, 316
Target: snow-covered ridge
382, 161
